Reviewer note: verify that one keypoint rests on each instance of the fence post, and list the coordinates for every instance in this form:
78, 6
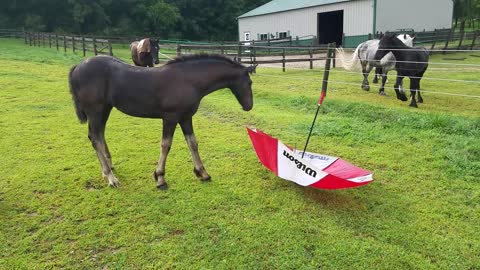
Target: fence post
50, 40
254, 52
25, 36
73, 43
283, 60
462, 35
34, 40
475, 35
449, 36
311, 58
94, 46
334, 55
239, 55
179, 50
434, 39
65, 44
110, 52
56, 41
83, 47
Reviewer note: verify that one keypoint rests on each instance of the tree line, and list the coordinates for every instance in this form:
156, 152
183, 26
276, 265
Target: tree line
167, 19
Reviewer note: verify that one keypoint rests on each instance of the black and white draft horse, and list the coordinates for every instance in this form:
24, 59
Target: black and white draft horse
172, 92
410, 62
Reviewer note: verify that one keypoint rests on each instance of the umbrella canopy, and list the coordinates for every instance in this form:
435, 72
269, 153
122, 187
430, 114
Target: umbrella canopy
314, 170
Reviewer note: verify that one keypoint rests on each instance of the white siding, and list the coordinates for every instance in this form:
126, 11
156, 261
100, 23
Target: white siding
416, 14
358, 20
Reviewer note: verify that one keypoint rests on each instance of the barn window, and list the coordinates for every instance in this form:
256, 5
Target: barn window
282, 35
263, 36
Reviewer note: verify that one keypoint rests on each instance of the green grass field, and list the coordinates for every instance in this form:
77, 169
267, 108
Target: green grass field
421, 212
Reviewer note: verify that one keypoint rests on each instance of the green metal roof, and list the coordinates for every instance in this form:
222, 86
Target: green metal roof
284, 5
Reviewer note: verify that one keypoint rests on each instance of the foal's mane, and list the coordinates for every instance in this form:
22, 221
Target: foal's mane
204, 57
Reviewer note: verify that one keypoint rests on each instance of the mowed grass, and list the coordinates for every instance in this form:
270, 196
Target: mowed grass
421, 212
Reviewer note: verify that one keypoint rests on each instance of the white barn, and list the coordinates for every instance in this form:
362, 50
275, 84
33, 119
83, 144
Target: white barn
329, 20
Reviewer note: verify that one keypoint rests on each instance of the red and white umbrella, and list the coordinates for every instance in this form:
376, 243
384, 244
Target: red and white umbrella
314, 170
305, 168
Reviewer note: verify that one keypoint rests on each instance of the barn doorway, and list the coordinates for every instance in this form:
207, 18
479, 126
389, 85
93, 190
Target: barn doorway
330, 27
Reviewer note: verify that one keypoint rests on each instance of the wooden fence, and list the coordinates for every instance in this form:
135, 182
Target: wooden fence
253, 54
64, 42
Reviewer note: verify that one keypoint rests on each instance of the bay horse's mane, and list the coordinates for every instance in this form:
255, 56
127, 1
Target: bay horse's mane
203, 57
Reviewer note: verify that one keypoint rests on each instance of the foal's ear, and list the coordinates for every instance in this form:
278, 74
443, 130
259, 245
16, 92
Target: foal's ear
252, 69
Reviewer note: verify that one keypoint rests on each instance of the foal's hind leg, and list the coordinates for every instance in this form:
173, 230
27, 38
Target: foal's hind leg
96, 129
198, 169
167, 138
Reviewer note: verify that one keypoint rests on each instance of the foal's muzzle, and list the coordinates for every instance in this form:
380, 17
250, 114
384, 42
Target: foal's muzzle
247, 107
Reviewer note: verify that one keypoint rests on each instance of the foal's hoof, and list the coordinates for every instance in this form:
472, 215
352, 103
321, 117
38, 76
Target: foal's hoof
366, 87
112, 180
163, 186
204, 178
413, 105
382, 93
375, 80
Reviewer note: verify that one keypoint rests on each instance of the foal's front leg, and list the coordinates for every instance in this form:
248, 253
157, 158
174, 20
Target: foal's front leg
198, 169
167, 138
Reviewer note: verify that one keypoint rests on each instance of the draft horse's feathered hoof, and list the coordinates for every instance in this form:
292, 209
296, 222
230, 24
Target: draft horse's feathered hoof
366, 87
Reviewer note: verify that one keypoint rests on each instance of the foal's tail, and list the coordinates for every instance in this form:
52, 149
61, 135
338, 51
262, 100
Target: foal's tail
73, 90
348, 64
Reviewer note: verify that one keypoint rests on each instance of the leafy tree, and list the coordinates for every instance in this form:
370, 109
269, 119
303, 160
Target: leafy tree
187, 19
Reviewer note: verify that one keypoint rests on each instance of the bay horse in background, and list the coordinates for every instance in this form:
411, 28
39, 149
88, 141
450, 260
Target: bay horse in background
172, 92
145, 52
365, 53
410, 62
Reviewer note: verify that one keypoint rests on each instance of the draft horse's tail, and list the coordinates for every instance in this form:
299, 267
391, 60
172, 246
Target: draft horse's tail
73, 90
348, 64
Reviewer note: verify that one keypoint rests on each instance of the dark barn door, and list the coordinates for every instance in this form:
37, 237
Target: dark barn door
330, 27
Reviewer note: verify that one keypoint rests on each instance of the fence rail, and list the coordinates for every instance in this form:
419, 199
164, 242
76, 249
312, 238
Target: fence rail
253, 54
75, 43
